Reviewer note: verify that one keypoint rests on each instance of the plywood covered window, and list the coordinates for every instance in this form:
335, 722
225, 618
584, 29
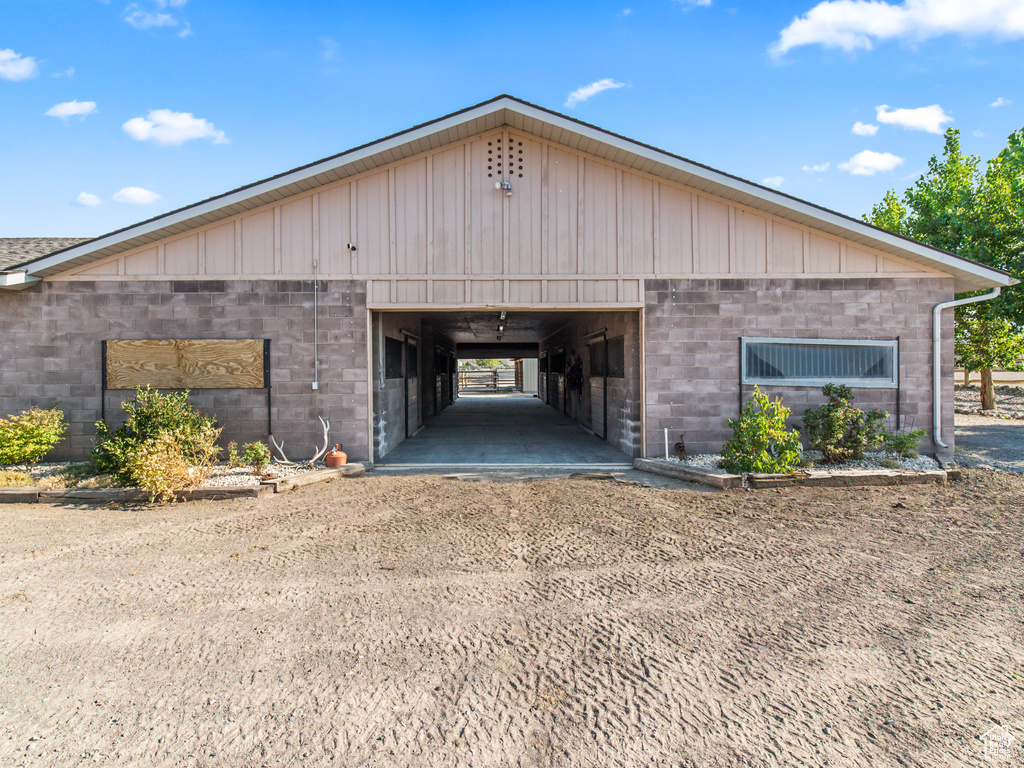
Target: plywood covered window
816, 362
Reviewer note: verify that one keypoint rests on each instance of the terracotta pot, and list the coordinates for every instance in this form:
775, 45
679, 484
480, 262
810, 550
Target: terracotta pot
337, 457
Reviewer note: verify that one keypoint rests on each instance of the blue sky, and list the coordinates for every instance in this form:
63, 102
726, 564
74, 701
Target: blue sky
155, 104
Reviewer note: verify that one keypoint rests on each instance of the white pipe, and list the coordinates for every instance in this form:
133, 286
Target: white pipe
316, 324
937, 359
666, 443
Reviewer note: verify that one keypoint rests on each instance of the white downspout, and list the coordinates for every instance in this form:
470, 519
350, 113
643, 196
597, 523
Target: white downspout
937, 359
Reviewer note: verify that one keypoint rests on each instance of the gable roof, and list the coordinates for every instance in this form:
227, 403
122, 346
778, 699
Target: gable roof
17, 250
529, 118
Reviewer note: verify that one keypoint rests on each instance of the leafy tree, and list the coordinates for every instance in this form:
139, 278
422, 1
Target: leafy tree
978, 214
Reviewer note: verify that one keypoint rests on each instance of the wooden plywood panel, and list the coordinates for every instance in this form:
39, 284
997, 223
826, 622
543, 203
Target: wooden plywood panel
181, 257
486, 291
600, 215
562, 291
595, 291
143, 263
630, 290
751, 244
524, 208
381, 291
823, 257
563, 179
297, 237
860, 261
675, 242
524, 291
448, 200
106, 268
787, 249
411, 217
893, 264
449, 291
412, 291
373, 224
336, 231
220, 250
485, 236
712, 255
637, 224
185, 364
258, 244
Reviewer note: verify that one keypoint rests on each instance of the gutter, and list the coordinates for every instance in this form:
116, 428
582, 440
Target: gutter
937, 359
17, 280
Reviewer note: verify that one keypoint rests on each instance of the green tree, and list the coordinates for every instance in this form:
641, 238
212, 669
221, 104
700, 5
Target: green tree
977, 214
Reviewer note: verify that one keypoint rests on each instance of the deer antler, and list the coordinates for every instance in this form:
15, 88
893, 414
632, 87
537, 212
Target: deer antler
280, 449
322, 451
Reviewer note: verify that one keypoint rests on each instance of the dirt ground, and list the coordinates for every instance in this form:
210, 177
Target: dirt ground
424, 621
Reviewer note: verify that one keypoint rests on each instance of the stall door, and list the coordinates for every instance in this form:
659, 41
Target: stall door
599, 387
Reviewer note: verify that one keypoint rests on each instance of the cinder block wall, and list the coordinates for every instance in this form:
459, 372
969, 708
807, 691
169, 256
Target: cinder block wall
624, 394
51, 353
692, 330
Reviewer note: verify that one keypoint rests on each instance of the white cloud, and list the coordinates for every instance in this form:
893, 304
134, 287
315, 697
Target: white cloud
773, 181
186, 30
626, 12
165, 127
864, 129
135, 196
87, 200
73, 108
691, 3
171, 3
584, 93
868, 163
329, 49
69, 72
928, 119
141, 19
977, 134
14, 66
1000, 102
819, 168
853, 24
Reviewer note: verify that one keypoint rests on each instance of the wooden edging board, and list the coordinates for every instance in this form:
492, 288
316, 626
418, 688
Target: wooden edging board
845, 479
33, 495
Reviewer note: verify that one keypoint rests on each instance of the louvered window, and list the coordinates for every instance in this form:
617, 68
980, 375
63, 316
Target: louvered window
816, 362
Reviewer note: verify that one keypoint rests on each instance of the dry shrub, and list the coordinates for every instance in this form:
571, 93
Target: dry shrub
9, 479
173, 461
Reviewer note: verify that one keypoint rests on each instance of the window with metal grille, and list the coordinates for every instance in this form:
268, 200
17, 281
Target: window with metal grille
392, 358
816, 362
617, 358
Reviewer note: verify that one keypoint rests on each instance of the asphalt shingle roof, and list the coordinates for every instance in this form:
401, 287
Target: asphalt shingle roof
17, 250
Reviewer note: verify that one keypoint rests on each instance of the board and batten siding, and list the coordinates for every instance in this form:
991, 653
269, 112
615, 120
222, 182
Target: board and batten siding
434, 230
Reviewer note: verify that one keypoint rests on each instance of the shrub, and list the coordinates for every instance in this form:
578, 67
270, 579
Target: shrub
9, 479
25, 438
903, 444
256, 456
171, 461
839, 430
234, 460
760, 441
158, 429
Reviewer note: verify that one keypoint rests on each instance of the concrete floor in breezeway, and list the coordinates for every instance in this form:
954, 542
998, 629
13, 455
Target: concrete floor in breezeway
503, 429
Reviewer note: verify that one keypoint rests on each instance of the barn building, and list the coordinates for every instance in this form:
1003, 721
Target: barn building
653, 292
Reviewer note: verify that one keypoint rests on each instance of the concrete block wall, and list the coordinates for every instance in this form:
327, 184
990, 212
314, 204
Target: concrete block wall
624, 394
692, 331
52, 334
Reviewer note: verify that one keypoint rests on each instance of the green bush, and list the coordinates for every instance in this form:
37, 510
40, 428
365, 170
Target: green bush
256, 456
173, 460
25, 438
839, 430
903, 444
156, 426
760, 441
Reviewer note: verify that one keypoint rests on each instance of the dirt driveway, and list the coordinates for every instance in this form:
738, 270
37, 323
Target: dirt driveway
398, 621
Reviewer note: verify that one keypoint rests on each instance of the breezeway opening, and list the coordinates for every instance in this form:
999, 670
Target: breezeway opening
576, 399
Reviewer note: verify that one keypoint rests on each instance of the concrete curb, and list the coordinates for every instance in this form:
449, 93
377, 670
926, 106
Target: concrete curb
845, 479
34, 495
